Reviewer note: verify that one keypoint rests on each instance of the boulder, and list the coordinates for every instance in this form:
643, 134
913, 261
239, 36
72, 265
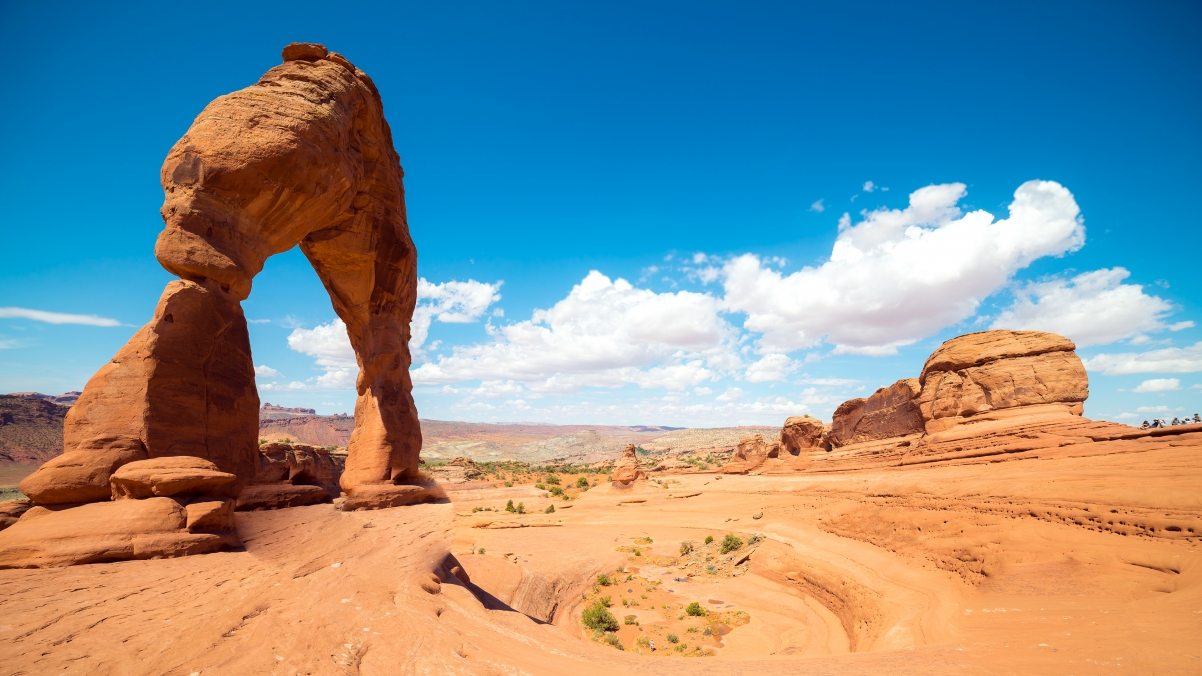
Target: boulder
104, 531
281, 495
627, 471
163, 477
750, 454
210, 515
81, 475
802, 433
994, 370
890, 412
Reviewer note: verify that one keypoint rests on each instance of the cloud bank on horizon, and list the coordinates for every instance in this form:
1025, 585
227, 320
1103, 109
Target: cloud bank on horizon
893, 277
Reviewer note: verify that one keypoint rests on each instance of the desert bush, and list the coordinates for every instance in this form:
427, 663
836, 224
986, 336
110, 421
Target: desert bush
550, 509
612, 639
631, 620
607, 601
540, 487
597, 617
730, 543
509, 507
643, 642
480, 551
509, 484
603, 580
673, 638
694, 609
553, 479
582, 482
709, 631
709, 539
556, 490
685, 548
522, 509
643, 541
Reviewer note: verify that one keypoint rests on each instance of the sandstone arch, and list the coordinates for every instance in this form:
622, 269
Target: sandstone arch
304, 156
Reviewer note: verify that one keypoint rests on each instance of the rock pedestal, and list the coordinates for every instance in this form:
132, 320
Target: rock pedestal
627, 470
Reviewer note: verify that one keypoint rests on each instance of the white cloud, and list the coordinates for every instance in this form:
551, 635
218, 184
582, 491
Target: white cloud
1167, 360
702, 391
818, 206
330, 346
264, 371
1158, 385
605, 333
9, 344
771, 367
1126, 416
731, 394
829, 382
869, 186
1093, 308
56, 317
1152, 409
449, 302
898, 276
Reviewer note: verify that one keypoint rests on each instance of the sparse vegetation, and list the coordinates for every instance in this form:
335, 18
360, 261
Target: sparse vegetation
709, 539
598, 618
550, 509
509, 507
552, 479
730, 543
673, 638
603, 580
694, 609
582, 482
631, 620
521, 509
480, 551
685, 548
612, 639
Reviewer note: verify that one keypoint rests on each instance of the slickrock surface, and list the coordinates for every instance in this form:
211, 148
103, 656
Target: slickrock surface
1070, 560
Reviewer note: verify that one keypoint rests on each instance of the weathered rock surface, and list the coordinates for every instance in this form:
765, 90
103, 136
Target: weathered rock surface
81, 475
626, 470
889, 412
750, 454
802, 433
380, 496
456, 471
280, 495
11, 511
104, 531
303, 157
165, 477
299, 464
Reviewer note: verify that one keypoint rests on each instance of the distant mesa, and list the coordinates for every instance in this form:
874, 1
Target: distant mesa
31, 428
272, 408
65, 399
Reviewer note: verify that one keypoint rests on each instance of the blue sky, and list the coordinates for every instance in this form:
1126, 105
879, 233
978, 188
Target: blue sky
655, 192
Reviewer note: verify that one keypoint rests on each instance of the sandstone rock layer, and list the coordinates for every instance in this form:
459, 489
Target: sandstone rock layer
627, 470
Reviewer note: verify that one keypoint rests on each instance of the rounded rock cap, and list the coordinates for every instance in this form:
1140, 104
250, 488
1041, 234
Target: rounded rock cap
304, 51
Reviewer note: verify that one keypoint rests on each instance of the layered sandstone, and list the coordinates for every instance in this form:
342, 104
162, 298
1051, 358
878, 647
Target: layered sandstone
292, 475
749, 454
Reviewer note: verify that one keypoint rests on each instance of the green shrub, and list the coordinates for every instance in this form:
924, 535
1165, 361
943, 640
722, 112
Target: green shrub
612, 639
556, 490
607, 601
553, 479
598, 618
709, 631
480, 551
509, 507
709, 539
603, 580
694, 609
582, 482
631, 620
509, 484
685, 548
522, 510
550, 509
730, 543
673, 638
540, 487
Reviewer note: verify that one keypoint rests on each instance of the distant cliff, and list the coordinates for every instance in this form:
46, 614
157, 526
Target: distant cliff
31, 428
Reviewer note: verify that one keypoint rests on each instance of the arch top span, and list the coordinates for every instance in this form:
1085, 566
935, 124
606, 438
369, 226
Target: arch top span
302, 157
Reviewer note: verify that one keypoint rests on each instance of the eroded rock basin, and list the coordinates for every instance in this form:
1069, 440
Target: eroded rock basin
969, 568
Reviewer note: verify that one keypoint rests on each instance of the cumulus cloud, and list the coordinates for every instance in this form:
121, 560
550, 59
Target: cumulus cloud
771, 367
1167, 360
449, 302
55, 317
605, 333
1152, 409
331, 348
818, 207
264, 371
1158, 385
900, 275
1093, 308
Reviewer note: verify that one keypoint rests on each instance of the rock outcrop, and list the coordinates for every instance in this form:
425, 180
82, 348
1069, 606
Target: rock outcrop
459, 470
627, 470
750, 454
303, 157
978, 394
292, 475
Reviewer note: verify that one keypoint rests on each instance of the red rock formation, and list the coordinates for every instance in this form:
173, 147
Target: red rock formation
750, 454
889, 412
304, 157
292, 475
627, 471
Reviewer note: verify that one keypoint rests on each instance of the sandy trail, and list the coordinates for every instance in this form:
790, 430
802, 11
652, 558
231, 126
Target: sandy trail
991, 568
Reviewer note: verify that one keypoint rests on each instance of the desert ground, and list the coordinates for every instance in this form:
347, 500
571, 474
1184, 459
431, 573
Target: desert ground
1050, 562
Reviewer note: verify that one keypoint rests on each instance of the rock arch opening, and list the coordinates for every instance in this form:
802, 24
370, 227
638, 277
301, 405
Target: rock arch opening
302, 157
